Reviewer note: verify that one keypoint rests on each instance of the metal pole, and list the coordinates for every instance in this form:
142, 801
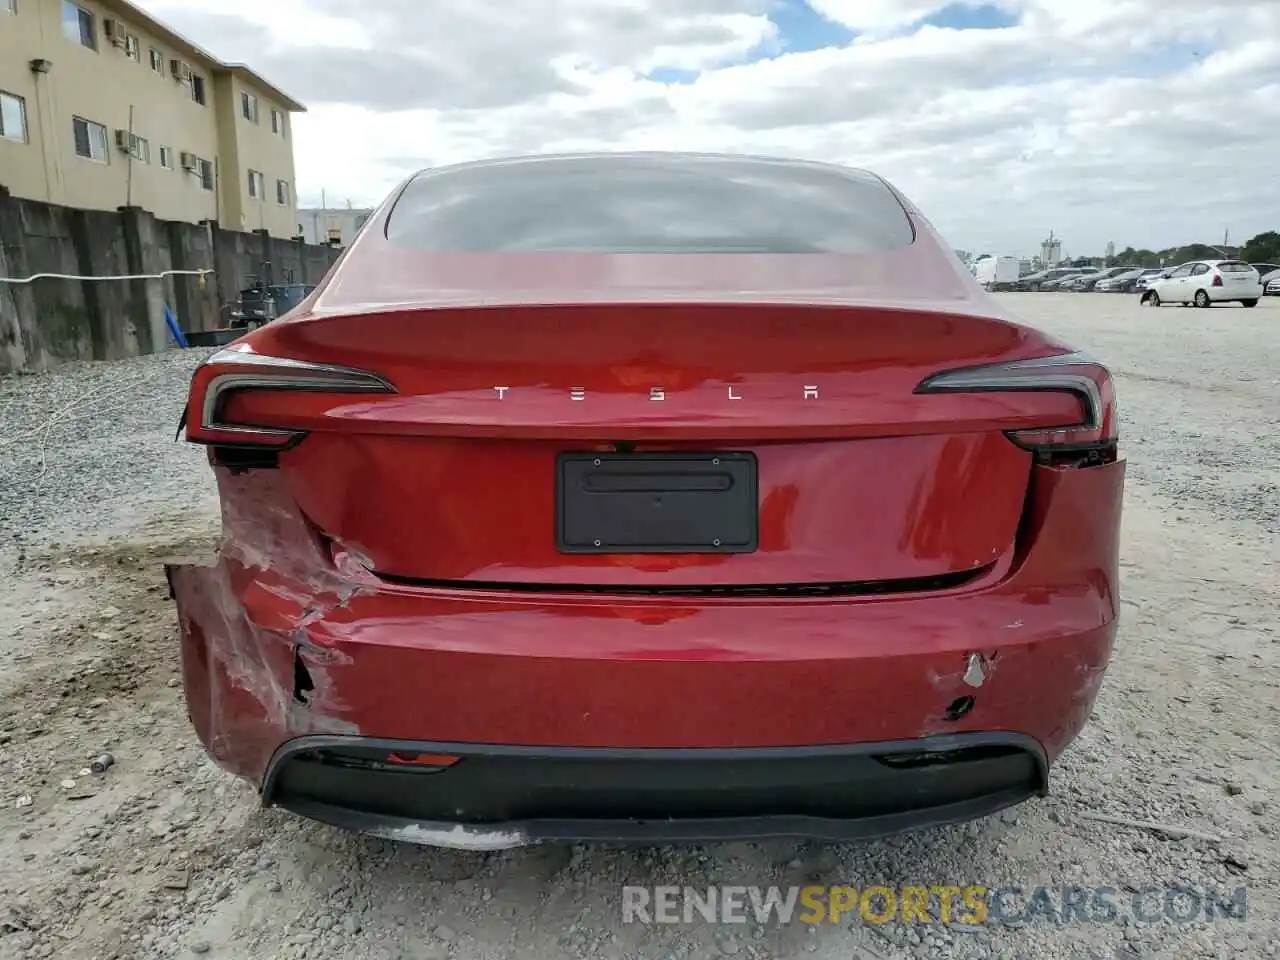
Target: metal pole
128, 188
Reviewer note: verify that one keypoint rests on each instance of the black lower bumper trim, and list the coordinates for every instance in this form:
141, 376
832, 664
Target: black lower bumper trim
505, 796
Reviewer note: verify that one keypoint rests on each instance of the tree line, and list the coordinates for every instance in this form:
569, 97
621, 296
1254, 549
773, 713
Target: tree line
1264, 248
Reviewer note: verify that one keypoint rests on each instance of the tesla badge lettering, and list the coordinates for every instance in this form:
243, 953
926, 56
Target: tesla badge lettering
659, 393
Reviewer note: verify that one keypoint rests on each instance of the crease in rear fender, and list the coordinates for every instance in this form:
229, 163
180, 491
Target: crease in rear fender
287, 566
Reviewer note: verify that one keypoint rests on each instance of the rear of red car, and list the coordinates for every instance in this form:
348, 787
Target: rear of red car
643, 496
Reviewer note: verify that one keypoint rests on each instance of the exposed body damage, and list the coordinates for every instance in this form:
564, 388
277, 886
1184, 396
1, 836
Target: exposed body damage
249, 655
454, 836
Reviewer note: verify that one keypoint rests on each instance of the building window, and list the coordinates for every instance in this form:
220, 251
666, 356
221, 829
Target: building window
157, 61
197, 89
13, 117
131, 48
204, 170
282, 192
257, 185
166, 157
78, 25
140, 148
249, 107
91, 139
277, 122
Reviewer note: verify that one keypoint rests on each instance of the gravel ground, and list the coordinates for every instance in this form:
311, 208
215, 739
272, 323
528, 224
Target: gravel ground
164, 856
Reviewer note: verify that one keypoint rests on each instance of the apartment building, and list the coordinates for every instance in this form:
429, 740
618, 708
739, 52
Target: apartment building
102, 106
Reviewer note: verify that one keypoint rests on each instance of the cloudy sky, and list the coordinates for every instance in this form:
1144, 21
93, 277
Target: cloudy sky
1146, 122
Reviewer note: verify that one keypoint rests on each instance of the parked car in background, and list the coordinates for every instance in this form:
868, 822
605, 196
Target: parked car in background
1206, 282
1151, 273
1035, 281
1056, 282
1271, 284
1121, 282
1073, 283
1089, 281
1266, 273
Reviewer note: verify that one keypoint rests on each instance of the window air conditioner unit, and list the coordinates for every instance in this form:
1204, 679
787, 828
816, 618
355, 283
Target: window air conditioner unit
114, 30
188, 161
181, 72
123, 141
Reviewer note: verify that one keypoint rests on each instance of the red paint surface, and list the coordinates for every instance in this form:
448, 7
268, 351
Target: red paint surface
883, 509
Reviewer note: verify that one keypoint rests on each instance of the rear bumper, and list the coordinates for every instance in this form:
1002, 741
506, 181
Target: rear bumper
1234, 293
280, 645
497, 797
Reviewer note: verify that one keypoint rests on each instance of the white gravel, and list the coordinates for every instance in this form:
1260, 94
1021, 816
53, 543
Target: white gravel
164, 856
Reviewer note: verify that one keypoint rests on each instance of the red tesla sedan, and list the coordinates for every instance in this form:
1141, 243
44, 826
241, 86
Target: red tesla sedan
653, 497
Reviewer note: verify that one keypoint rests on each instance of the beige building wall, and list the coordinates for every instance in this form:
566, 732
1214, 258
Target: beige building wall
263, 144
102, 85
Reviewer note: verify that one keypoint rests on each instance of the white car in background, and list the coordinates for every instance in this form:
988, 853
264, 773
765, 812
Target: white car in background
1204, 283
1271, 283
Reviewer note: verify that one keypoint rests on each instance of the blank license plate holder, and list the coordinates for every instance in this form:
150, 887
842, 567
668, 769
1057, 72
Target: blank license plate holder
657, 503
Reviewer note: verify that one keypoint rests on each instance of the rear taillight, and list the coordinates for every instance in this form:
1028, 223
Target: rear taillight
239, 368
1074, 373
1217, 279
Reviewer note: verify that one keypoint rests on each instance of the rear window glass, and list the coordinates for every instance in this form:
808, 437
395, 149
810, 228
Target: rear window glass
1234, 268
648, 204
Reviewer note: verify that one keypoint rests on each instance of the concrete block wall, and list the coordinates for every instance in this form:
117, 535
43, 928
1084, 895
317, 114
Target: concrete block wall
51, 321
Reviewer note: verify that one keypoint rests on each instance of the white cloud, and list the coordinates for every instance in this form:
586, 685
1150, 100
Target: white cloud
1151, 122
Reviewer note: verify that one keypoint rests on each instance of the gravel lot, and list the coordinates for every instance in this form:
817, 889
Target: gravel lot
165, 856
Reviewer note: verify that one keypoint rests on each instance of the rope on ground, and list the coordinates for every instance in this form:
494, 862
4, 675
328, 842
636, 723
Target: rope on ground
91, 401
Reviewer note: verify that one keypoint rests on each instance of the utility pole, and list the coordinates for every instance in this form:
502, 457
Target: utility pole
128, 176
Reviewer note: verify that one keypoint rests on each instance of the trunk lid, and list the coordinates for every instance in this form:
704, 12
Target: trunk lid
857, 478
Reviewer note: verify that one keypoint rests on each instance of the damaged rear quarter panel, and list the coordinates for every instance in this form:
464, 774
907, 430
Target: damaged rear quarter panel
252, 671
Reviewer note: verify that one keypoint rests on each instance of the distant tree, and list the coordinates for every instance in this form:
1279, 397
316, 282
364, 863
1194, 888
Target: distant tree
1264, 248
1192, 251
1129, 257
